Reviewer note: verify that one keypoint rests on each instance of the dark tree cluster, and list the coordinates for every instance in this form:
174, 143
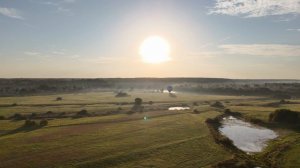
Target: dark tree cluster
285, 116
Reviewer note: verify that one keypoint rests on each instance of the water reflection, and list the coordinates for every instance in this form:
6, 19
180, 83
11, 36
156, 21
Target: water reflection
179, 108
246, 136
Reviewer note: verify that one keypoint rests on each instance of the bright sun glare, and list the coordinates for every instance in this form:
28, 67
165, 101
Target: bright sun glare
155, 50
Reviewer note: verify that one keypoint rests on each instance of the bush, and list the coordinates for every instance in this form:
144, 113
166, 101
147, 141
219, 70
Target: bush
217, 104
256, 121
82, 113
282, 101
227, 111
130, 112
138, 101
62, 113
285, 116
18, 116
151, 102
137, 107
33, 115
49, 113
212, 121
30, 123
14, 104
282, 96
43, 123
122, 94
196, 111
2, 118
59, 99
195, 104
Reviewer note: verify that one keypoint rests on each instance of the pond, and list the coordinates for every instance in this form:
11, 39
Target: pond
179, 108
246, 136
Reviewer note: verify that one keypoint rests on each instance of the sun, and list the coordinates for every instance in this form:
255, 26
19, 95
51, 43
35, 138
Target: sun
155, 50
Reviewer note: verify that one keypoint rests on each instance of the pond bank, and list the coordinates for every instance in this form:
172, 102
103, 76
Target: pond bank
240, 158
247, 137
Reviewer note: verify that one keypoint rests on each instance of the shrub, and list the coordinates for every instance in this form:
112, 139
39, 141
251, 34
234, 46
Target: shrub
137, 107
82, 113
18, 116
130, 112
122, 94
14, 104
282, 101
151, 102
2, 118
195, 104
196, 111
59, 99
43, 123
170, 89
49, 113
217, 104
284, 116
62, 113
256, 121
138, 101
33, 115
282, 96
30, 123
212, 121
227, 111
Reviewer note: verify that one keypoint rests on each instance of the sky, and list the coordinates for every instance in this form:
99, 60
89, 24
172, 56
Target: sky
239, 39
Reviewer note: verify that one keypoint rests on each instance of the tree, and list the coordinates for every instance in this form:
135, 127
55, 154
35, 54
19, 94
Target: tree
170, 89
285, 116
138, 101
137, 107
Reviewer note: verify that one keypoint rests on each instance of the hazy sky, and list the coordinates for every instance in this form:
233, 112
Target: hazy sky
101, 38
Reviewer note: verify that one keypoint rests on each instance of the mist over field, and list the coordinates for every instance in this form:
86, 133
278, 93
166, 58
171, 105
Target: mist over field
150, 84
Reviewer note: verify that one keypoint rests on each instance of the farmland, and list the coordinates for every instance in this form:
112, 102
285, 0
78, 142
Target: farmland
112, 137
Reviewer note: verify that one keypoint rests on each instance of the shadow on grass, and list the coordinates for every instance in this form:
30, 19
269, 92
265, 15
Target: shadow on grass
22, 129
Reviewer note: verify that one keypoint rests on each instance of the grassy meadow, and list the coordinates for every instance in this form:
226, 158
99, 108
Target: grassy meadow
163, 139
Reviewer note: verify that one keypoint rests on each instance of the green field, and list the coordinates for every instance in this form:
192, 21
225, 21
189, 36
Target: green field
164, 139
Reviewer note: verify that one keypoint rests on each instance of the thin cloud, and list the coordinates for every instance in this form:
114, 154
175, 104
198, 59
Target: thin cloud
11, 12
298, 30
59, 5
58, 52
31, 53
69, 1
102, 60
276, 50
204, 54
256, 8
